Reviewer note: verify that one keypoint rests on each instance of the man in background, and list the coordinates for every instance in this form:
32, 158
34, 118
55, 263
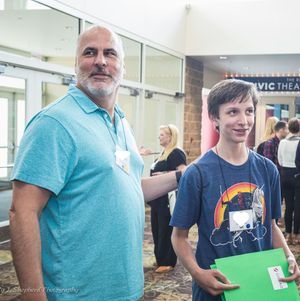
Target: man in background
271, 146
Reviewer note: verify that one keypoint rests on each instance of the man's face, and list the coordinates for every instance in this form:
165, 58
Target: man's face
99, 65
283, 132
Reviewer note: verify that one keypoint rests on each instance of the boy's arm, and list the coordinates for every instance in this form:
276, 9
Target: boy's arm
279, 242
212, 281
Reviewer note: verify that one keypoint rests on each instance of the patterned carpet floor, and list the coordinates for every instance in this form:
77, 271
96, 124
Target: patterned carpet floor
172, 286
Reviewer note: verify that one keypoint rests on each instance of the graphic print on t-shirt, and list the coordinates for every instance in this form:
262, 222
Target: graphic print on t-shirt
239, 197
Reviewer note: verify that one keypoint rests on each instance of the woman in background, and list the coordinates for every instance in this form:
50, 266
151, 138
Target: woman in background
268, 134
170, 158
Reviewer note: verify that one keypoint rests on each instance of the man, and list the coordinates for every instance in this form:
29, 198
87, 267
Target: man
222, 177
271, 145
77, 215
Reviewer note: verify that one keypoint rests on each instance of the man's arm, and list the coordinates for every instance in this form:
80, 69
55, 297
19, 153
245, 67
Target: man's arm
279, 242
28, 202
161, 184
212, 281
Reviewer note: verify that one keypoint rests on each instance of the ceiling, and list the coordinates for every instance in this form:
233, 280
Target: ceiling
274, 64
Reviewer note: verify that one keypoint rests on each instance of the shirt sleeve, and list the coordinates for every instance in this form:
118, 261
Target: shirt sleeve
47, 155
280, 152
177, 157
188, 203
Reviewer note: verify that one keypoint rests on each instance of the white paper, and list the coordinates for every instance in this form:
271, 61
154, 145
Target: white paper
275, 274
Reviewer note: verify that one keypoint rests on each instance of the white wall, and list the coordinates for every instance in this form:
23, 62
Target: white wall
211, 77
159, 21
243, 27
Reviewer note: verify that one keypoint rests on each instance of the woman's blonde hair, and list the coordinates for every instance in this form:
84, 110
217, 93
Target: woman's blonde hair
173, 132
269, 131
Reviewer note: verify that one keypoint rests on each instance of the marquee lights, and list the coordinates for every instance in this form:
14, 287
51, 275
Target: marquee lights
233, 75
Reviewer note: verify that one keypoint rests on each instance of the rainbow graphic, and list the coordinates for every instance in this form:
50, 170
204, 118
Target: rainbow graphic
227, 197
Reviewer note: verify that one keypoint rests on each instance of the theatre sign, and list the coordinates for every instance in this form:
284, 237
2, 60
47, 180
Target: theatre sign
275, 84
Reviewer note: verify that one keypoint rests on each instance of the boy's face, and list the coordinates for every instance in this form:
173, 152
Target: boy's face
236, 120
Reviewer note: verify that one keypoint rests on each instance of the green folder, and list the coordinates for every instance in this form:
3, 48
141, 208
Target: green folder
214, 267
250, 271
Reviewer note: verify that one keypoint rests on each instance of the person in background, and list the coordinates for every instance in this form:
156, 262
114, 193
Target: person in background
77, 215
268, 134
286, 159
271, 145
171, 158
218, 185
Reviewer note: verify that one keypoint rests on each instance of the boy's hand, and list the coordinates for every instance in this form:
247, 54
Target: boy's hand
214, 282
293, 270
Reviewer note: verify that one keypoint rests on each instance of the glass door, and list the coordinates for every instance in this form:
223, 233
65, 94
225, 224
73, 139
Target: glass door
23, 92
12, 123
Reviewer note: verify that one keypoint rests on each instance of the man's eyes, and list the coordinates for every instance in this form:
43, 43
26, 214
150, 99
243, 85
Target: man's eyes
110, 52
89, 52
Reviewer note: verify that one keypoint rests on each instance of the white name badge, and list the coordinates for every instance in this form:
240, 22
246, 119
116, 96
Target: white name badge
123, 159
240, 220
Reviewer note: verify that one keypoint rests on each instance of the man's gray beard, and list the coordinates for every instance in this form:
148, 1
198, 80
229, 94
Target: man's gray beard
94, 92
101, 92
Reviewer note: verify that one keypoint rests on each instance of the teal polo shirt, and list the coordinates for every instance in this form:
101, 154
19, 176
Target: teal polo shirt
92, 226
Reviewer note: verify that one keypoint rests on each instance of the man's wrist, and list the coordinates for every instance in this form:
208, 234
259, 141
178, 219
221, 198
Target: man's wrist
178, 175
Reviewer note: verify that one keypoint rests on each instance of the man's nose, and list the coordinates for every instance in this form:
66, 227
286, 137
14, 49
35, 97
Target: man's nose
100, 59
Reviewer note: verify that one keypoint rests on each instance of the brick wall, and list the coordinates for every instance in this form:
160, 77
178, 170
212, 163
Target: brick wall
192, 108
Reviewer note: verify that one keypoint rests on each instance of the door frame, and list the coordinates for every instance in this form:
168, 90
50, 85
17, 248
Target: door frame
261, 112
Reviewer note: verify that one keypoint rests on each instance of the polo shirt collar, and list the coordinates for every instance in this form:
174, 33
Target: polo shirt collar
86, 104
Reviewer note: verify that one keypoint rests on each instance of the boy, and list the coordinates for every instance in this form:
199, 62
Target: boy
228, 178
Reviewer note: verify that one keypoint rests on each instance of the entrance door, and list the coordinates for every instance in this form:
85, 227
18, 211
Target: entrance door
22, 92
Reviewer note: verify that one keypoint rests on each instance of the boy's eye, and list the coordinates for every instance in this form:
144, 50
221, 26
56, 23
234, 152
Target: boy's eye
232, 112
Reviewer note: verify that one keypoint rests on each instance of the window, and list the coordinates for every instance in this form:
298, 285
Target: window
37, 31
163, 70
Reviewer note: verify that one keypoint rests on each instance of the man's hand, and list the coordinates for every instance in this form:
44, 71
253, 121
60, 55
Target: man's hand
214, 282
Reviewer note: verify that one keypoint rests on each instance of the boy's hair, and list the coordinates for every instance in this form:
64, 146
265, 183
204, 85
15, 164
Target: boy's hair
294, 125
281, 124
227, 91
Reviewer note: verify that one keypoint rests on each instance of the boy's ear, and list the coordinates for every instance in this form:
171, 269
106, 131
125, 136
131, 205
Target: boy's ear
215, 122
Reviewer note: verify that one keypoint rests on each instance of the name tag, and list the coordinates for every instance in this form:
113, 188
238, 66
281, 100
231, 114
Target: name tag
123, 159
240, 220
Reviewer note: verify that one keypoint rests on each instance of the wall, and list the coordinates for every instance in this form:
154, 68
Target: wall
193, 108
211, 77
162, 22
243, 27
